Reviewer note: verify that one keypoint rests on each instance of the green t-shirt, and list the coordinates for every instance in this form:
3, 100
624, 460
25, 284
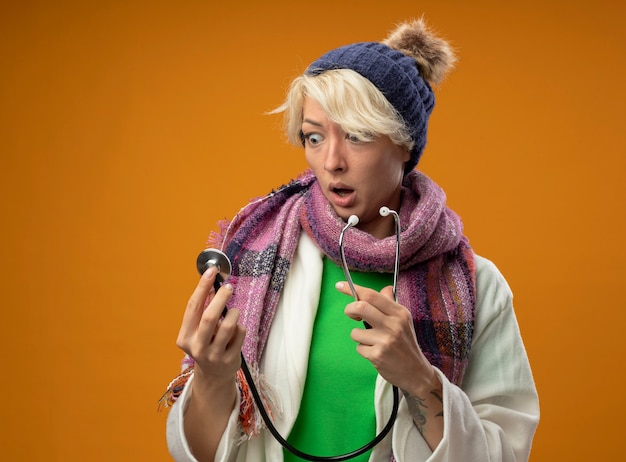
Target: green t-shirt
337, 410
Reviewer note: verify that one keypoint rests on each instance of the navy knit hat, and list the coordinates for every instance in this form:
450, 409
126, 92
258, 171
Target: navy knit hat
402, 68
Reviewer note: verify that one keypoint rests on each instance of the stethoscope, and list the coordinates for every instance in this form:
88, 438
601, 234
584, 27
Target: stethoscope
215, 258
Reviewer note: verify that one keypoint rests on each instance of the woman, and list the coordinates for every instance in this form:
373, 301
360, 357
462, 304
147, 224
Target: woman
450, 343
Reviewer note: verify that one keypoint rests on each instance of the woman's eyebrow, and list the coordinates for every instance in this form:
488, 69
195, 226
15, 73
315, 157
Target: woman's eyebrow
312, 122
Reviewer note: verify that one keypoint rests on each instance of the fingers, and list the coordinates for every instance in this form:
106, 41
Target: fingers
197, 302
213, 341
212, 316
372, 306
229, 337
204, 310
387, 292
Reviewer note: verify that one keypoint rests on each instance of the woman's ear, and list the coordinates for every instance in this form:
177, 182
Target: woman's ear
407, 155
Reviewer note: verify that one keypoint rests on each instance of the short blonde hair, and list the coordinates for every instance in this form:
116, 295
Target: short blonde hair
349, 100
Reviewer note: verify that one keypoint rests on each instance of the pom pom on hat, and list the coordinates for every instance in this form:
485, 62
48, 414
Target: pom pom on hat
402, 67
434, 56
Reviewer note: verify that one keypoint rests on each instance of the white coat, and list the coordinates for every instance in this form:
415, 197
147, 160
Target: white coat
492, 416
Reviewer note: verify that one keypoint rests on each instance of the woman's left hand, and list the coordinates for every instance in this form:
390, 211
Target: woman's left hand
390, 344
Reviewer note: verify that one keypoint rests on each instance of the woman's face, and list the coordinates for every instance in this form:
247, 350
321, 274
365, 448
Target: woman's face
357, 177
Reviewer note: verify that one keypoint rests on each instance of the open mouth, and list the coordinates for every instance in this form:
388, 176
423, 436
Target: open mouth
341, 195
342, 192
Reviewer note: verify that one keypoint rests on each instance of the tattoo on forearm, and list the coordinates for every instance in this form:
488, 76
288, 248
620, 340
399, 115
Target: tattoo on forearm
417, 408
437, 394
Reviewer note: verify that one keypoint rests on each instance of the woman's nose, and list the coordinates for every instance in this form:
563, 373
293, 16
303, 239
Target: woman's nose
335, 160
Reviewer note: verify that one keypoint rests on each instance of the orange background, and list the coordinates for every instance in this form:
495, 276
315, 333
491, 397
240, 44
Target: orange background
128, 128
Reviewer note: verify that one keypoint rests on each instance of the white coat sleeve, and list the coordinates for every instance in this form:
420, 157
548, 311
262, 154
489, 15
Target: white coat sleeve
175, 433
493, 415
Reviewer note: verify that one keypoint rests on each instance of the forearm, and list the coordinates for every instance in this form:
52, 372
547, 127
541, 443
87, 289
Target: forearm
425, 404
207, 414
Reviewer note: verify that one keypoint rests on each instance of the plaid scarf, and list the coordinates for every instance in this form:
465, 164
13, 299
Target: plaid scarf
436, 281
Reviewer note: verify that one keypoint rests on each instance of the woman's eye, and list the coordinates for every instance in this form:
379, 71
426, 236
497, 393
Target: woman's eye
313, 138
353, 138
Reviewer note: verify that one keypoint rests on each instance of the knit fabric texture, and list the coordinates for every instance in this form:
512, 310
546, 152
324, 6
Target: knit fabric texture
396, 76
436, 281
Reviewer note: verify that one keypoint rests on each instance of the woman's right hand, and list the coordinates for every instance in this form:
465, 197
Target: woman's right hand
214, 342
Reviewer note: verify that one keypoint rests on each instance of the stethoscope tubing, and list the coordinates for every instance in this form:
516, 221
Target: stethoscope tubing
219, 259
303, 455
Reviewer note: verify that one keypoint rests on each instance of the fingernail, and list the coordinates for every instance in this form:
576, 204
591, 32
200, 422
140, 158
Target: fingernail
208, 274
339, 286
228, 286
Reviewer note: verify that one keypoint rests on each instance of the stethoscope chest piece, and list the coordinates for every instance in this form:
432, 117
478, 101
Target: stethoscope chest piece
213, 257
